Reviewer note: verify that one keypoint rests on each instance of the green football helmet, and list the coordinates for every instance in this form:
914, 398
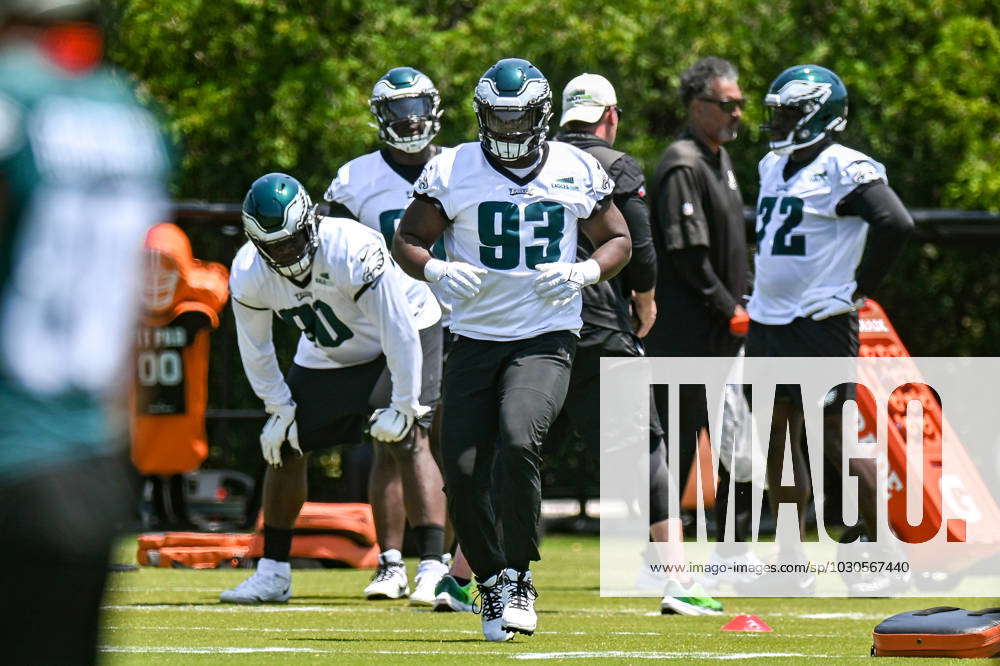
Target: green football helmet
280, 220
513, 104
802, 105
407, 107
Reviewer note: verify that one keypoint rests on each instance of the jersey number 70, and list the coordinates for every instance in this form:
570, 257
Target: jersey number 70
783, 243
318, 322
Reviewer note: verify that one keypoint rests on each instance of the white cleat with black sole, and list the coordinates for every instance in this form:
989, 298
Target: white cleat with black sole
389, 581
490, 605
519, 611
271, 583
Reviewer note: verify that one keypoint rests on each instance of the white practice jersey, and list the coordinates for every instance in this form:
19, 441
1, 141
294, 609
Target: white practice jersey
512, 227
377, 195
804, 249
356, 305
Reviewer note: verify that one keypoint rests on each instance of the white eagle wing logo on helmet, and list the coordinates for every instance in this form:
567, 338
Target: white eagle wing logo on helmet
794, 93
296, 211
487, 90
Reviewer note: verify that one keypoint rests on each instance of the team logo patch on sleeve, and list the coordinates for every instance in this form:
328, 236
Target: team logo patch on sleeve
372, 259
862, 172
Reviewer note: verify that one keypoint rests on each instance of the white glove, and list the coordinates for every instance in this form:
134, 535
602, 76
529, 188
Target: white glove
829, 306
281, 427
460, 280
391, 425
560, 282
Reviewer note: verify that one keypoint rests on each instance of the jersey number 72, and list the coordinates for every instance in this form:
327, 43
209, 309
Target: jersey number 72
783, 243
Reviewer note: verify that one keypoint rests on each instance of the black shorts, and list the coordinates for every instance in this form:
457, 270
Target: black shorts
333, 405
834, 337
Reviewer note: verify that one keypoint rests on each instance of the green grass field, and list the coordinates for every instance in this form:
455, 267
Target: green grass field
172, 616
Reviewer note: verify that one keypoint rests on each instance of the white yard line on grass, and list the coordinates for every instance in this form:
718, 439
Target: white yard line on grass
626, 654
166, 589
432, 630
606, 654
202, 650
343, 630
293, 608
828, 616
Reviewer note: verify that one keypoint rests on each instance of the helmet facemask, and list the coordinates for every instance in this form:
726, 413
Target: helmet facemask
797, 116
511, 133
289, 247
292, 255
407, 122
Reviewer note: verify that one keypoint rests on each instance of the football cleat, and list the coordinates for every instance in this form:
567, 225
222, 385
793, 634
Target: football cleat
802, 105
271, 583
450, 597
429, 574
389, 581
692, 600
490, 605
519, 611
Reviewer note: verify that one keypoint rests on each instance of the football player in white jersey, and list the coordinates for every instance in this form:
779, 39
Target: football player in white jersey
819, 203
375, 189
509, 207
371, 338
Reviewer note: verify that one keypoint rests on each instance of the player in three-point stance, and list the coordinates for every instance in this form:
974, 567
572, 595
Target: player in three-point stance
371, 339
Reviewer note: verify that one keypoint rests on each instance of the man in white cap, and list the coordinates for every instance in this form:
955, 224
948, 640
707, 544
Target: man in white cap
590, 122
617, 313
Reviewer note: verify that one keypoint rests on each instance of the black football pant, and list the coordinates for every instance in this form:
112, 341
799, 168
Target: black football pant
499, 400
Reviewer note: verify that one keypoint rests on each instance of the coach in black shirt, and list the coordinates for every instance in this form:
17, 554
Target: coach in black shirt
700, 240
618, 312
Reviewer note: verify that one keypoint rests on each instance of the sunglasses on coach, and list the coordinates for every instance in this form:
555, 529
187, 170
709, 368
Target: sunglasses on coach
727, 105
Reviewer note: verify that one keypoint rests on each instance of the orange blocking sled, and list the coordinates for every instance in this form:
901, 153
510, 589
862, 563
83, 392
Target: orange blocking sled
879, 339
944, 631
343, 533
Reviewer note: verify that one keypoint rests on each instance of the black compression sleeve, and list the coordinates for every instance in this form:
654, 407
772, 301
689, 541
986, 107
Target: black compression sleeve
694, 267
890, 225
640, 272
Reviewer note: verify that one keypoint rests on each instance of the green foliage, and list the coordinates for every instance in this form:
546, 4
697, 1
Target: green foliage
254, 86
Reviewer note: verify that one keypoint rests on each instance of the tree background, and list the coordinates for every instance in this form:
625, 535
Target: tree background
252, 86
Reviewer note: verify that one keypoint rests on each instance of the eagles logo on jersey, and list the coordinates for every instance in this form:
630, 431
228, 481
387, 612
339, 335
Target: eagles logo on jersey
802, 105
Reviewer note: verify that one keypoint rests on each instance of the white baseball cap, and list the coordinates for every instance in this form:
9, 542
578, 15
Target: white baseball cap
585, 98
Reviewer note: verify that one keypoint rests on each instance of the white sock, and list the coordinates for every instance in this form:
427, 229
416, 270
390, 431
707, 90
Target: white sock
267, 565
